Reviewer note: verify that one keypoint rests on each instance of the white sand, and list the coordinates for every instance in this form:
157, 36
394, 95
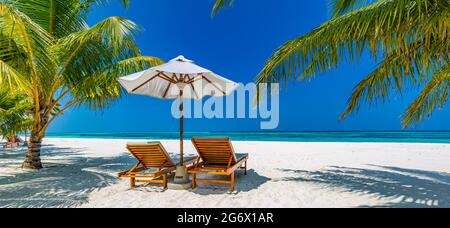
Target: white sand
82, 173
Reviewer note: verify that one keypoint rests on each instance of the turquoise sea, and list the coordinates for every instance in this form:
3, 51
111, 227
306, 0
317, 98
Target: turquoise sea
389, 137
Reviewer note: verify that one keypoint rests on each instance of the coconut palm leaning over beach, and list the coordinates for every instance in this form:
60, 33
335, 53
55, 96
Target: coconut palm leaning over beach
409, 38
49, 52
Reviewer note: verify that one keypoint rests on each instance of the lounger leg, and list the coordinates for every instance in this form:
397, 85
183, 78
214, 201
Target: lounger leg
194, 181
165, 181
246, 168
132, 182
232, 182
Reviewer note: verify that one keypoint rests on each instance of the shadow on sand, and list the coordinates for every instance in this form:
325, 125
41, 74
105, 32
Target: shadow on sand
410, 188
69, 177
66, 181
244, 183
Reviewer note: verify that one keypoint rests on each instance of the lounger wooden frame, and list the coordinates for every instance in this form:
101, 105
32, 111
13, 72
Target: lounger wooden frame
216, 157
151, 155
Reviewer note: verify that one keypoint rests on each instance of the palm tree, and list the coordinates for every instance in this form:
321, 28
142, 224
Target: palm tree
14, 115
409, 38
48, 51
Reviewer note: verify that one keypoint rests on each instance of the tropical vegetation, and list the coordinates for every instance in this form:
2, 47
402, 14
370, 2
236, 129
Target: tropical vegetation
410, 40
15, 118
50, 53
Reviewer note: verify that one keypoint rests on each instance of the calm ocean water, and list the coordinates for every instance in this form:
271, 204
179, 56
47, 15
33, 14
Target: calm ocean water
398, 137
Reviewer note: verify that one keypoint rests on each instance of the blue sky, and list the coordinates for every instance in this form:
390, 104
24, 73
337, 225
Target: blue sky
236, 44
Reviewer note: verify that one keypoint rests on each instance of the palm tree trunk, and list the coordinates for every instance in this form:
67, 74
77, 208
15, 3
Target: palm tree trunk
33, 156
12, 137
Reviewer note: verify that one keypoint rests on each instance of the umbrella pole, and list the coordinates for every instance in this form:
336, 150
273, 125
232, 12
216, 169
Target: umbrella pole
181, 129
181, 181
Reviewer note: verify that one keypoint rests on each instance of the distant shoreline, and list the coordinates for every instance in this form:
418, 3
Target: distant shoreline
346, 137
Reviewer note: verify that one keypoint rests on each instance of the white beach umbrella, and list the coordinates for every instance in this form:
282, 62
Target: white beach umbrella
180, 79
179, 74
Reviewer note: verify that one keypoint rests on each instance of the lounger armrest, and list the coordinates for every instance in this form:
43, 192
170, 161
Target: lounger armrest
206, 172
229, 171
237, 165
190, 161
123, 174
242, 156
138, 173
127, 173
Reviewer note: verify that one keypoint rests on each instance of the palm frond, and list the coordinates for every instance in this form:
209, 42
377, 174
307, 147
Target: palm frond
221, 4
383, 26
341, 7
433, 96
60, 17
10, 76
99, 89
31, 40
410, 37
114, 32
402, 67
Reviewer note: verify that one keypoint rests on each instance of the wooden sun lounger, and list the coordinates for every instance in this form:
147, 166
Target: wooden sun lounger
217, 158
151, 155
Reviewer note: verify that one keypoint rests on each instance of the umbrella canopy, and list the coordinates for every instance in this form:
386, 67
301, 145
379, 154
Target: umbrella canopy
165, 81
180, 78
